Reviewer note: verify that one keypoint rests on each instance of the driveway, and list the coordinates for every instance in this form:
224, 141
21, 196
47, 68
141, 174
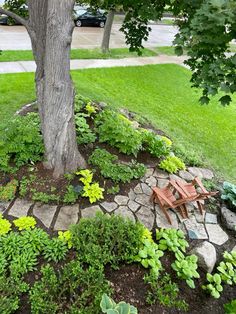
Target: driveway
16, 37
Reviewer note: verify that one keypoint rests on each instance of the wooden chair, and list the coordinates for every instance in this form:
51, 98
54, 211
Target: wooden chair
166, 199
193, 194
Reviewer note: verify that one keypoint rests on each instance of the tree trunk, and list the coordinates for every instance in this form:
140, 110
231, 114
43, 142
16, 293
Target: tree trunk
53, 26
107, 31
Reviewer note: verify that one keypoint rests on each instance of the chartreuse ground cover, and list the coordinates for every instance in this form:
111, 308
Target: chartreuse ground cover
162, 94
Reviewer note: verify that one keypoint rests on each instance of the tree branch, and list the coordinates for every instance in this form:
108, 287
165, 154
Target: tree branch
14, 16
19, 19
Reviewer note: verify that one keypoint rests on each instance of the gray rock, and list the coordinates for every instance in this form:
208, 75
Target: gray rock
143, 199
135, 124
90, 212
234, 248
20, 208
146, 217
196, 172
160, 174
121, 200
206, 254
45, 213
138, 189
146, 189
109, 206
131, 195
200, 218
151, 181
133, 206
149, 173
102, 105
177, 178
196, 231
216, 234
4, 206
210, 218
162, 222
125, 212
229, 218
162, 183
67, 216
186, 175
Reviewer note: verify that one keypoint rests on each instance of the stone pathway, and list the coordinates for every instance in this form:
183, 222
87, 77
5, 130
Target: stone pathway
135, 206
30, 66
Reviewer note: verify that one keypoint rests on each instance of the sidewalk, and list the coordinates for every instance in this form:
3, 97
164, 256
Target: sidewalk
29, 66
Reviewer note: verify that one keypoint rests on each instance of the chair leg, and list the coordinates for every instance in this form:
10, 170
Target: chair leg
200, 207
186, 210
182, 212
167, 215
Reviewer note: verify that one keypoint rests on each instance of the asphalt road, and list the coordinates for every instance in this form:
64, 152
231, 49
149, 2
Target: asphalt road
16, 37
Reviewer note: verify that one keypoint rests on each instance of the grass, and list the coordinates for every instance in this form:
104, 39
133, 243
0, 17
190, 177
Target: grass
116, 53
161, 93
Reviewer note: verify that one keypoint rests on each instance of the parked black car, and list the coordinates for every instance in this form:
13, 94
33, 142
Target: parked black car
89, 17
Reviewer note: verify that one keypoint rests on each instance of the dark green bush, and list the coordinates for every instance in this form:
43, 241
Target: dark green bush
21, 142
106, 239
110, 167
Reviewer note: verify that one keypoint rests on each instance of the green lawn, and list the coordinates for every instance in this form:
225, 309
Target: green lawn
116, 53
161, 93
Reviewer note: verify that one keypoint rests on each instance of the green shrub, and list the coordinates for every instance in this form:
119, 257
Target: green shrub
110, 307
55, 250
71, 195
165, 292
190, 158
83, 131
72, 289
229, 194
115, 129
21, 142
111, 169
8, 191
172, 164
156, 145
120, 240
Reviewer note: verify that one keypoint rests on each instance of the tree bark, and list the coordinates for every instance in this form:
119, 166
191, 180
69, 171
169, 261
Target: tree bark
107, 31
51, 27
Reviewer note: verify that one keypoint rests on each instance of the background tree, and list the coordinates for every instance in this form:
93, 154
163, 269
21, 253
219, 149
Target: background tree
206, 30
16, 6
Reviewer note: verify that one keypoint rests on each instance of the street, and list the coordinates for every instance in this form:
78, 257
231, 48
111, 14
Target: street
16, 37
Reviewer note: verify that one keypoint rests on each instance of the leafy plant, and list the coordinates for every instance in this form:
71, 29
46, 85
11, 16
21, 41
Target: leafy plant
149, 255
190, 158
84, 133
55, 250
155, 144
44, 197
73, 289
118, 131
71, 195
110, 167
229, 194
165, 292
114, 189
7, 192
25, 223
21, 142
91, 109
91, 190
214, 286
110, 307
172, 240
230, 308
5, 225
25, 184
186, 268
172, 164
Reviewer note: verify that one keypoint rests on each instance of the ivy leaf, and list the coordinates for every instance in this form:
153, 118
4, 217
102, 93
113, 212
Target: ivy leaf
204, 100
225, 100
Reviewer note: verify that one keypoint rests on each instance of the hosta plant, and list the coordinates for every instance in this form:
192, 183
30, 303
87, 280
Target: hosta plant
91, 190
25, 223
229, 194
172, 240
214, 286
172, 164
186, 268
155, 144
66, 237
109, 306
